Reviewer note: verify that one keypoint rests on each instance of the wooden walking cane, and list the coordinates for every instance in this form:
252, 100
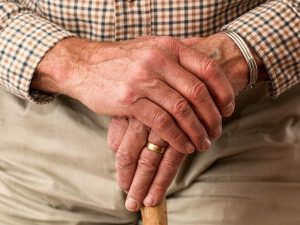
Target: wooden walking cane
155, 215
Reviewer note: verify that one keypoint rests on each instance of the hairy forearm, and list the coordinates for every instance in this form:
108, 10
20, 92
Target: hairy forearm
58, 71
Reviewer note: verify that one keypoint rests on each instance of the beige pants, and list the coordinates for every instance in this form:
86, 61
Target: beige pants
56, 168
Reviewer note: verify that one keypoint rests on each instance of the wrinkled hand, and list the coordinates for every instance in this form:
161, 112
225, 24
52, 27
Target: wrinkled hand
157, 80
146, 174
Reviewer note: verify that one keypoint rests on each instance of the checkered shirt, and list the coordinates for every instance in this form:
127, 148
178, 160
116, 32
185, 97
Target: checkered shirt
29, 28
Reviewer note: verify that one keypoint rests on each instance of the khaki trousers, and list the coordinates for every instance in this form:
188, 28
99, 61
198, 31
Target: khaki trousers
56, 168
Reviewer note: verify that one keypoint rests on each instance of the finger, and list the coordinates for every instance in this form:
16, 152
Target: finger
116, 132
145, 172
196, 92
212, 75
156, 118
167, 170
206, 69
183, 113
129, 152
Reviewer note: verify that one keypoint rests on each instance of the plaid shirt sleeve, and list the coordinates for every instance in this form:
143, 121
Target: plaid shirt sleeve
273, 31
24, 40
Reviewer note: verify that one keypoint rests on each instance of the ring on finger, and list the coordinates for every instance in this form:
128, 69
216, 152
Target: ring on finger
155, 148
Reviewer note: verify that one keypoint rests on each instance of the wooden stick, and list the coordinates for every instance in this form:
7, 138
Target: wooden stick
155, 215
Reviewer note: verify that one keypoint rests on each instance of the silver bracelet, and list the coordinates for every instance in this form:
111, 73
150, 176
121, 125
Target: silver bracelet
247, 54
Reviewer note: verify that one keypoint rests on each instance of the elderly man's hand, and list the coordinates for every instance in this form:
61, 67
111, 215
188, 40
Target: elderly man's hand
157, 80
141, 171
146, 174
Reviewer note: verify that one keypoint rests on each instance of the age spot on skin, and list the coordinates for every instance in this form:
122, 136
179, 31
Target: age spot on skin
213, 55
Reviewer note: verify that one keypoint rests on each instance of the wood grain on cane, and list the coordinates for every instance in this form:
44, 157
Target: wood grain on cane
155, 215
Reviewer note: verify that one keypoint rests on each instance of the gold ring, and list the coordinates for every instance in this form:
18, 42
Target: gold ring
155, 148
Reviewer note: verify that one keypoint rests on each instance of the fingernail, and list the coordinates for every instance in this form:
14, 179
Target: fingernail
189, 147
228, 110
205, 145
216, 133
148, 201
131, 204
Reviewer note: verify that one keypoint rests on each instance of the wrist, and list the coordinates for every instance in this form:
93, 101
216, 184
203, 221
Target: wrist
228, 55
60, 70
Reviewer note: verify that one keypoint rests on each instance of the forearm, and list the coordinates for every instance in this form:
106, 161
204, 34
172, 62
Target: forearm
24, 38
59, 69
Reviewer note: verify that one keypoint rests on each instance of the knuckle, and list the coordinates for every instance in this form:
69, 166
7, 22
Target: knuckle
151, 56
136, 126
167, 40
199, 92
170, 166
162, 120
147, 166
127, 96
160, 187
172, 45
124, 160
141, 71
211, 69
154, 84
138, 190
178, 137
181, 107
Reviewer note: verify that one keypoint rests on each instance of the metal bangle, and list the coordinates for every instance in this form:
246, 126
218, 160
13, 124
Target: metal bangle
253, 73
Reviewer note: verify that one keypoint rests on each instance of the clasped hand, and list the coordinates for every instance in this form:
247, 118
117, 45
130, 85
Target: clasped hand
158, 89
197, 94
169, 93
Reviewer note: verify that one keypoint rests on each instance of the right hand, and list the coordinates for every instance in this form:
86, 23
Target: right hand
177, 92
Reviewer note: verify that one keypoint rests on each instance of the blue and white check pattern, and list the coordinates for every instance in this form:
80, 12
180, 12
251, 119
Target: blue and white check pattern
29, 28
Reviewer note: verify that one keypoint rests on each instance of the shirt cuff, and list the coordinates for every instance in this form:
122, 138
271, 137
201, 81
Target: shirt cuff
272, 30
24, 40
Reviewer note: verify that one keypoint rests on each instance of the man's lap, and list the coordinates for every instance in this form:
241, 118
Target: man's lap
56, 168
